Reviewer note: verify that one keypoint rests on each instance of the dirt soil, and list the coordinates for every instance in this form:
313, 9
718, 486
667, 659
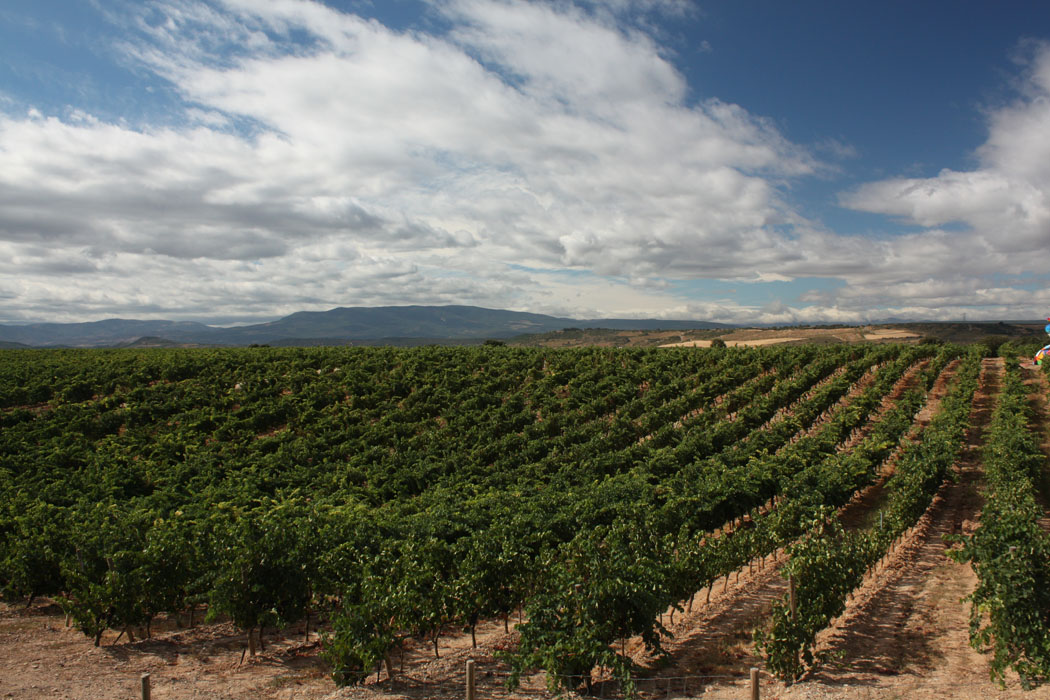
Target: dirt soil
755, 337
905, 632
41, 658
716, 638
755, 342
905, 635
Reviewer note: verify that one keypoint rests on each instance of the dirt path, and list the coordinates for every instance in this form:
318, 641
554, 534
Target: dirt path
41, 658
908, 382
866, 502
906, 634
715, 639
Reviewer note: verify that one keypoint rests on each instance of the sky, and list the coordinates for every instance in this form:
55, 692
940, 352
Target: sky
741, 161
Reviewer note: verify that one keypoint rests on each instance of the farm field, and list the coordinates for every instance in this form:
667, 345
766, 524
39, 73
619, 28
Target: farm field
578, 520
950, 332
755, 337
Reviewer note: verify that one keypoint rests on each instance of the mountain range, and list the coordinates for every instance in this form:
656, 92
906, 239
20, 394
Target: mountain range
338, 326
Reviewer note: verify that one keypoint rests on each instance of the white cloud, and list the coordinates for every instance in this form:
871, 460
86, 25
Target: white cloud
536, 134
323, 159
1001, 209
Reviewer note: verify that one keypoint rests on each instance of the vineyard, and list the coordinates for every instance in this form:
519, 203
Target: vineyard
388, 502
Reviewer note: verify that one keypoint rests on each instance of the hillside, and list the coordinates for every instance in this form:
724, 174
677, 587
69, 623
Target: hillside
647, 491
962, 333
407, 326
393, 325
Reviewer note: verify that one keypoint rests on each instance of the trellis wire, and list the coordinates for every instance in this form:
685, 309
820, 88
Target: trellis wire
645, 686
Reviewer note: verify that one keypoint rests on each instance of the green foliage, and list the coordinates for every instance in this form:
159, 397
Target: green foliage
409, 491
264, 563
993, 342
828, 563
106, 578
823, 564
602, 586
361, 638
33, 537
1010, 552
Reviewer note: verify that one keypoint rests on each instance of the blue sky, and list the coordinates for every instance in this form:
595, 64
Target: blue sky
742, 161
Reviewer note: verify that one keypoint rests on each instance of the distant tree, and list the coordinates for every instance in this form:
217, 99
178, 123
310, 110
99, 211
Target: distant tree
494, 343
718, 343
993, 342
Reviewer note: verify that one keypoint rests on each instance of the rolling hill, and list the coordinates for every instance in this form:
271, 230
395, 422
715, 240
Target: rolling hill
414, 324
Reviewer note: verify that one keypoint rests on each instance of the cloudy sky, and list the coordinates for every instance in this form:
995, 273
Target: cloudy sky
230, 161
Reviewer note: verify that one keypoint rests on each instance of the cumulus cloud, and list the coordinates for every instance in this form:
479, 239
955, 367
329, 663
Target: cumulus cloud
323, 159
976, 225
547, 134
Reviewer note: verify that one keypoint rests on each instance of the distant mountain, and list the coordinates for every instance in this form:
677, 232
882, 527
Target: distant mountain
154, 342
113, 331
335, 327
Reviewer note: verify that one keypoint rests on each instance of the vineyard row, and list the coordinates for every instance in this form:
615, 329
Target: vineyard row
398, 491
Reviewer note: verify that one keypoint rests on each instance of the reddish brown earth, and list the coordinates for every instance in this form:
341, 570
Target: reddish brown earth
906, 632
41, 658
904, 635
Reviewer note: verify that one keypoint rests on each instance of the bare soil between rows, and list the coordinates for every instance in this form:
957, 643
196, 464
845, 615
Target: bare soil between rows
904, 635
905, 632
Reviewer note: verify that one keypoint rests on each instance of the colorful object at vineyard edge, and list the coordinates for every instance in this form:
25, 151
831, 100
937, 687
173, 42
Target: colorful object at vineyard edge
1045, 350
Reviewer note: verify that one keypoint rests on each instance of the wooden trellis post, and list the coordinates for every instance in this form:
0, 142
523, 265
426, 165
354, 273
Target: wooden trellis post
470, 680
